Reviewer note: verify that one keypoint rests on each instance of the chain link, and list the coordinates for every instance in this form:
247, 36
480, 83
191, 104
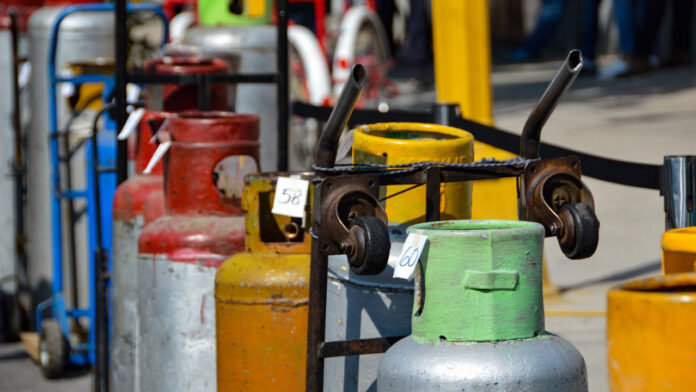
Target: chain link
383, 170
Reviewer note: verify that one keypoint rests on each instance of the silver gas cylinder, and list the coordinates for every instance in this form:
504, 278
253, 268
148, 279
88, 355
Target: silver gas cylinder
83, 36
8, 211
257, 47
364, 307
478, 316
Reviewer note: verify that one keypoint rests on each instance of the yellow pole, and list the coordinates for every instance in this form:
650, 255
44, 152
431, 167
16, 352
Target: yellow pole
462, 55
461, 46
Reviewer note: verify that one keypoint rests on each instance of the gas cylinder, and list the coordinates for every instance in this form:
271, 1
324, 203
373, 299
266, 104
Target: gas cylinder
261, 298
651, 344
478, 315
679, 250
129, 203
171, 97
257, 47
11, 212
180, 252
372, 306
83, 36
394, 143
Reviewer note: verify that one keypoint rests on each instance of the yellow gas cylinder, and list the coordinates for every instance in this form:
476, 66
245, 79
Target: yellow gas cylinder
650, 334
261, 298
679, 250
395, 143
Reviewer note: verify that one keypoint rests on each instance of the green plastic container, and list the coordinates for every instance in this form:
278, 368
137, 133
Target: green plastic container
234, 12
479, 281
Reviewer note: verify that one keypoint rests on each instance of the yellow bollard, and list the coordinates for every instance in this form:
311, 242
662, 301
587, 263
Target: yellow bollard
650, 334
394, 143
679, 250
462, 53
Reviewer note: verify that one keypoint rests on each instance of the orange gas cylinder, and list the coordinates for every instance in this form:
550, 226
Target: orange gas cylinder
261, 299
180, 252
651, 345
679, 250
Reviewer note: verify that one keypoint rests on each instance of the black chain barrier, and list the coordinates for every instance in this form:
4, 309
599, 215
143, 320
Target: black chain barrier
641, 175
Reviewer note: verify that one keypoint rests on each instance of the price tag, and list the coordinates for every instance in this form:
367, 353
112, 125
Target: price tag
157, 156
410, 253
131, 124
290, 197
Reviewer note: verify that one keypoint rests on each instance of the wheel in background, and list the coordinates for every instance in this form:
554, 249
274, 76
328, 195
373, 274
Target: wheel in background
53, 348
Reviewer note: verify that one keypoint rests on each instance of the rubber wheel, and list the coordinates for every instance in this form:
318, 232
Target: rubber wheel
586, 227
53, 348
372, 234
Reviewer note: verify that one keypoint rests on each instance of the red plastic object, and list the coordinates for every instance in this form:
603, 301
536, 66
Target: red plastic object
172, 97
201, 216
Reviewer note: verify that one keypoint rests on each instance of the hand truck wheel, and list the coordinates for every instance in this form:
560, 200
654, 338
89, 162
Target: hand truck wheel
369, 252
581, 230
53, 348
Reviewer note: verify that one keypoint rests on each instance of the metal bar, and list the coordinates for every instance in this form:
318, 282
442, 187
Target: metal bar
316, 326
328, 141
101, 320
531, 134
345, 348
203, 91
432, 194
151, 78
70, 235
18, 164
282, 84
120, 88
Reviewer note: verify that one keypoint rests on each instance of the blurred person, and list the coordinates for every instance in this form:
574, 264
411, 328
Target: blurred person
417, 50
547, 23
625, 18
651, 18
385, 10
639, 23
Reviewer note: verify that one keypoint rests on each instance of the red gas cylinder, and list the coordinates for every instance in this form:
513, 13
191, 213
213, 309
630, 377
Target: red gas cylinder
180, 252
172, 97
128, 210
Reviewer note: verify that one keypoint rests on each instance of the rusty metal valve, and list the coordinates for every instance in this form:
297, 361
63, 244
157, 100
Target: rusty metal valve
551, 191
351, 219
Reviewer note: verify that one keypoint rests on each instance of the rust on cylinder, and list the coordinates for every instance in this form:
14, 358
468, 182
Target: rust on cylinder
262, 297
180, 252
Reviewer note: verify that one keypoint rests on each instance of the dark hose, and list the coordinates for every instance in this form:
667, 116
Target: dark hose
531, 134
328, 142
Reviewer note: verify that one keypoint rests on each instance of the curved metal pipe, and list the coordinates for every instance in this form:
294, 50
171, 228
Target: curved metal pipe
531, 134
327, 147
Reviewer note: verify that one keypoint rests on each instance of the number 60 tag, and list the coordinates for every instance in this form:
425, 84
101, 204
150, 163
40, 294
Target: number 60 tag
290, 197
410, 253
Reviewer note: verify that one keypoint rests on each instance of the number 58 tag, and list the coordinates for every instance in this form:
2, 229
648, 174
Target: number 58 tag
410, 253
290, 197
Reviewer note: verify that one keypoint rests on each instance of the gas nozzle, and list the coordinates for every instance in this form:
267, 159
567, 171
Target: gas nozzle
531, 134
325, 155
